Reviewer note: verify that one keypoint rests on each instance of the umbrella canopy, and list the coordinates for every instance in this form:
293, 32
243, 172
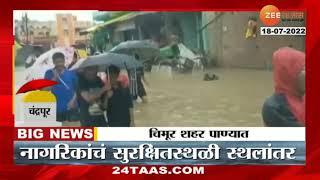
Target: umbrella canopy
107, 59
35, 85
146, 50
44, 62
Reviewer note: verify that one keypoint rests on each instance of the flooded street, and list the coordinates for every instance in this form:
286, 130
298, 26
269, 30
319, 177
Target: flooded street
186, 100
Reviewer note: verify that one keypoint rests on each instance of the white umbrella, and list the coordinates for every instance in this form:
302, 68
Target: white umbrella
44, 62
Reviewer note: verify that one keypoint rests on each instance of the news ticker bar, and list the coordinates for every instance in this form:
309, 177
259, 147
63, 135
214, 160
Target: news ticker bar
160, 152
162, 134
201, 134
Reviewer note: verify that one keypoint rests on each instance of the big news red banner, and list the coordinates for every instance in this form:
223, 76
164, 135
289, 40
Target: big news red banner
310, 171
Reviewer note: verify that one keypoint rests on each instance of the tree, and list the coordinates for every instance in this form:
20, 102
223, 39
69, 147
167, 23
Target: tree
99, 39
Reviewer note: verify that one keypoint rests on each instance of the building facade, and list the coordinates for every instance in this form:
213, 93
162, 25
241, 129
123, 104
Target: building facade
41, 33
65, 31
158, 26
68, 30
225, 41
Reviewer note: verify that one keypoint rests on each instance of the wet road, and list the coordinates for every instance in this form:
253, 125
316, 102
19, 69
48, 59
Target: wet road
186, 100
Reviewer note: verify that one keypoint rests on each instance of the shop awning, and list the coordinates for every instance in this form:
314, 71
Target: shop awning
124, 26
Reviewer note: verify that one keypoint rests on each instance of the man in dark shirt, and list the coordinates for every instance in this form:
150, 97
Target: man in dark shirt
137, 76
91, 89
141, 90
120, 106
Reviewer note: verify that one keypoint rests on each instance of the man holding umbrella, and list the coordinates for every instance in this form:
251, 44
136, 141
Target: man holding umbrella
115, 96
138, 89
120, 105
90, 92
141, 51
64, 91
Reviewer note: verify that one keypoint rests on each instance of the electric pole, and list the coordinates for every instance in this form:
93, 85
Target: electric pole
27, 29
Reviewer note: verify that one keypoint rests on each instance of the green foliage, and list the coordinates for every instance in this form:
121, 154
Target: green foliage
99, 38
101, 16
106, 16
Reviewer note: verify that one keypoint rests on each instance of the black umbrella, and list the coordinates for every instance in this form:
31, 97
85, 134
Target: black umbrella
105, 60
145, 49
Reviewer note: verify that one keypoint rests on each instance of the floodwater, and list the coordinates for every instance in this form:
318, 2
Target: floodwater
235, 100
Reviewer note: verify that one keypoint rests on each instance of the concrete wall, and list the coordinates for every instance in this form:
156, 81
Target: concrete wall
212, 38
117, 36
184, 24
65, 29
189, 28
226, 41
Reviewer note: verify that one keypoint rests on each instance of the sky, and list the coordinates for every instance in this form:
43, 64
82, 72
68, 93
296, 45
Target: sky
50, 15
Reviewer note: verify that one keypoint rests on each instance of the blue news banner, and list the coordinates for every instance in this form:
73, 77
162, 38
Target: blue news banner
138, 152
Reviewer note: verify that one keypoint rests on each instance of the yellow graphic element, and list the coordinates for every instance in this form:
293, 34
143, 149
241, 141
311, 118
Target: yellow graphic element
39, 96
95, 134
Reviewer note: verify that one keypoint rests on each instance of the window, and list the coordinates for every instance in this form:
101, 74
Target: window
66, 33
64, 19
47, 34
31, 32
